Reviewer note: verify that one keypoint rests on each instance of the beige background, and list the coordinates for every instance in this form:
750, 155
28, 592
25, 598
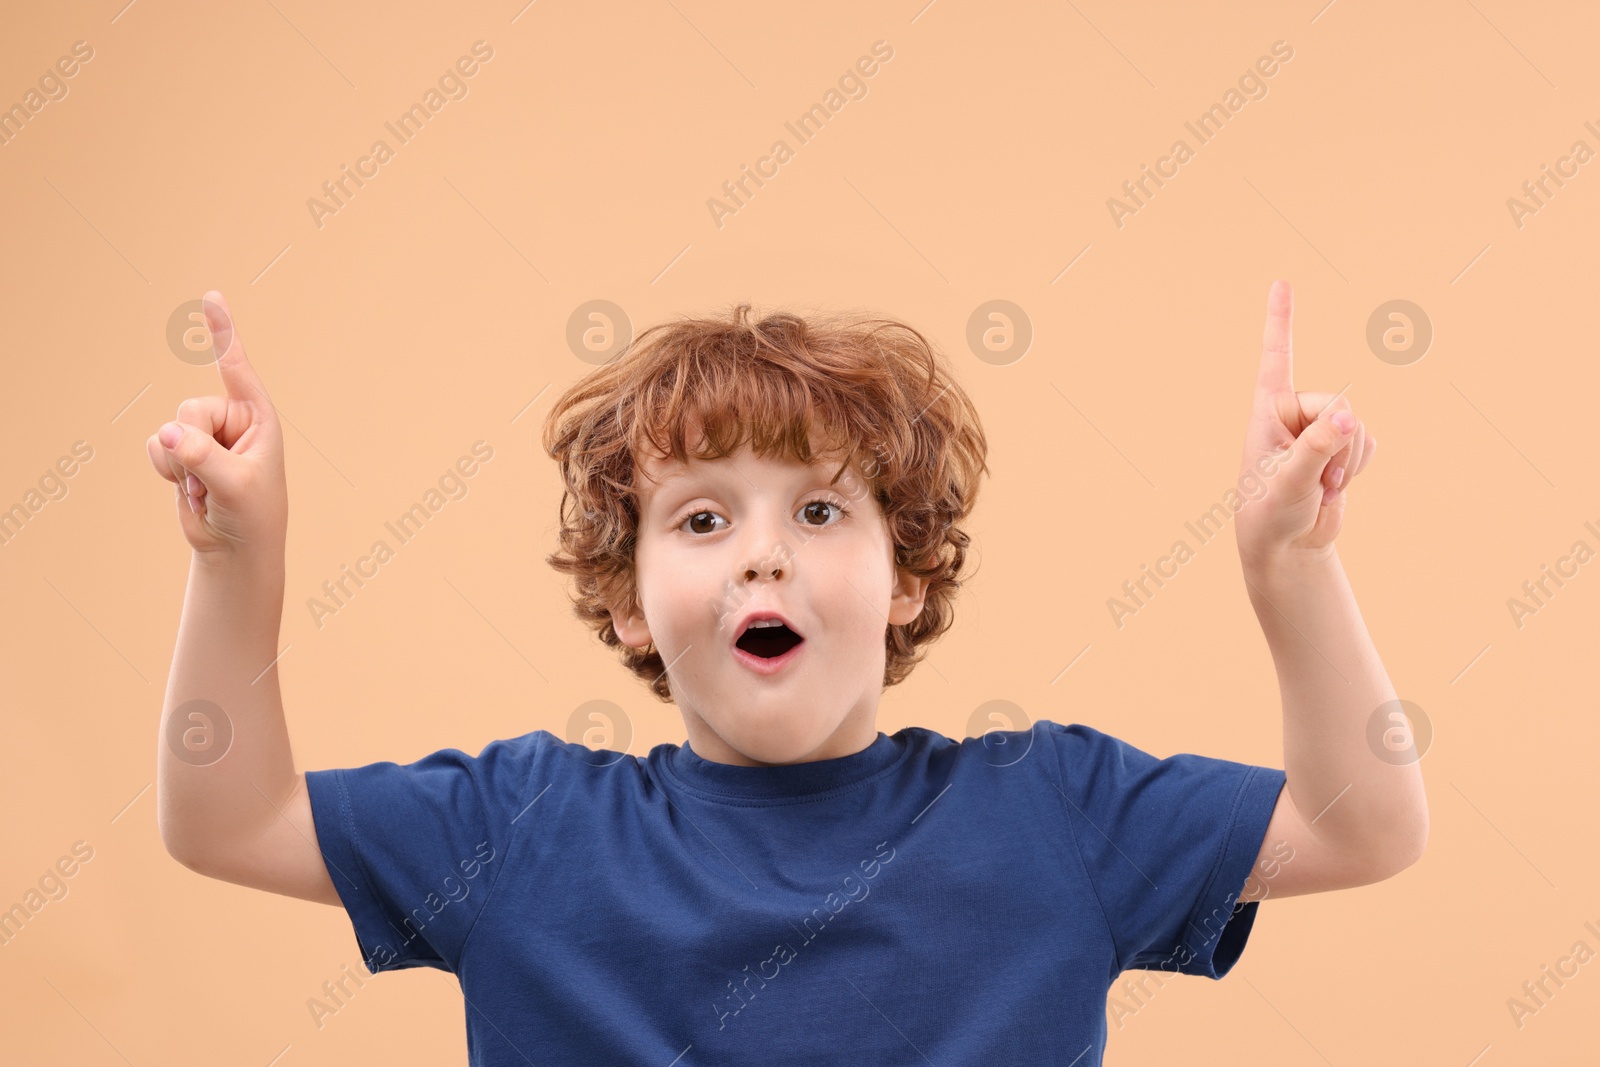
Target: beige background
432, 309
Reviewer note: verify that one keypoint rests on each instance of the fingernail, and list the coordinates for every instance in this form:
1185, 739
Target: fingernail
170, 434
1343, 421
194, 505
193, 485
1338, 476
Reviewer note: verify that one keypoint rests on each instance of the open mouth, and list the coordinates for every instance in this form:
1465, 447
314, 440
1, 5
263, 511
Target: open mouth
768, 642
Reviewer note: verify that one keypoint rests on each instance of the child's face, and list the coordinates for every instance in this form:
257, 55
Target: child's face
719, 539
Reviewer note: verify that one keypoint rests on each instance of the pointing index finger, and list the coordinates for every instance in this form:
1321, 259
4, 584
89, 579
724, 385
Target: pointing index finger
1276, 374
239, 378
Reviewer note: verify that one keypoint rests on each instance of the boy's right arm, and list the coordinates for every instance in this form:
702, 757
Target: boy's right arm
244, 817
230, 803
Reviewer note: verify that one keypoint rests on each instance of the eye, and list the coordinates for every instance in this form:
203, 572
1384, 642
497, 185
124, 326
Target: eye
835, 505
838, 507
695, 515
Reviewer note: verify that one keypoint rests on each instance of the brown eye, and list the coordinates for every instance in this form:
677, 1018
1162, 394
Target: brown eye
826, 504
691, 520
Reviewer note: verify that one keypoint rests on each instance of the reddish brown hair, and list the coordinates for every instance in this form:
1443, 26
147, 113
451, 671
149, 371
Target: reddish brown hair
872, 388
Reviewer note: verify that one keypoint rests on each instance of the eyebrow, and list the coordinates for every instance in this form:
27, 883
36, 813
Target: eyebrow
678, 474
683, 478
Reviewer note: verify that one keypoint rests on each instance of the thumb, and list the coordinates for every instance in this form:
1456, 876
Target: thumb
1315, 447
200, 454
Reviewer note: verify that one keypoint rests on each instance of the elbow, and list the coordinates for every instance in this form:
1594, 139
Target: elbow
1408, 858
1421, 844
178, 850
181, 847
1407, 849
171, 839
207, 863
186, 862
1419, 836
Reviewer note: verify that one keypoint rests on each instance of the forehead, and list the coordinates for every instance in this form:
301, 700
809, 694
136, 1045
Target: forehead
664, 476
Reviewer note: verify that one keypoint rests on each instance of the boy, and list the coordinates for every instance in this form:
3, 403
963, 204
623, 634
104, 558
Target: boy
791, 884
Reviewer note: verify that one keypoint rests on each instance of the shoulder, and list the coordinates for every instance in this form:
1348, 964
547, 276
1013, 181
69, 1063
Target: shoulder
1046, 741
1025, 753
544, 747
1082, 747
1077, 739
1096, 768
501, 772
540, 758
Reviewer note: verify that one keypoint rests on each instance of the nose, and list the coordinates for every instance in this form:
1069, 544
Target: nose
763, 571
768, 556
769, 566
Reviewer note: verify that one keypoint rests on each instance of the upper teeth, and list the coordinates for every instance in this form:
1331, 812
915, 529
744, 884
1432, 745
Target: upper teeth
765, 622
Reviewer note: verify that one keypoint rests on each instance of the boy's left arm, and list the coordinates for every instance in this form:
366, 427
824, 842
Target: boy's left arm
1346, 816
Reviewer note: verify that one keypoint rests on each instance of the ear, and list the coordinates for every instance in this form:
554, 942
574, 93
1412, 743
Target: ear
906, 602
632, 628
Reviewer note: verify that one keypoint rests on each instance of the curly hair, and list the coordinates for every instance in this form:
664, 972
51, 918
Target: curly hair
862, 386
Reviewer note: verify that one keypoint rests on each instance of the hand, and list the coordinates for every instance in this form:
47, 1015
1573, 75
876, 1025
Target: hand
1294, 443
227, 463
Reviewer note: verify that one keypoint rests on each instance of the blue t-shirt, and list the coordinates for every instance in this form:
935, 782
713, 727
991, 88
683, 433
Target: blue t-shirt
924, 899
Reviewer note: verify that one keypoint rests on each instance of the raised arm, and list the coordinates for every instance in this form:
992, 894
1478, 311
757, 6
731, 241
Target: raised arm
1352, 811
230, 803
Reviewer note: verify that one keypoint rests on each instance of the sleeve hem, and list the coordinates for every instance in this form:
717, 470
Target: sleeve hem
1218, 929
330, 807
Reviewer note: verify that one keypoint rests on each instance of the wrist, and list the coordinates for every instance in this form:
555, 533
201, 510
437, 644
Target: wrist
1288, 567
233, 566
233, 601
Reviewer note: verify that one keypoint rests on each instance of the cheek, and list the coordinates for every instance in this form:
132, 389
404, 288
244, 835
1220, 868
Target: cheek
675, 588
856, 582
646, 566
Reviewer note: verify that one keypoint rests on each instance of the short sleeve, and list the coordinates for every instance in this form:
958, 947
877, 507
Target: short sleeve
414, 850
1168, 845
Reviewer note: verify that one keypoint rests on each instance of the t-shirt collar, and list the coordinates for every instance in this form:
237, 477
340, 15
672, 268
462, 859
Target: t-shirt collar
791, 780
